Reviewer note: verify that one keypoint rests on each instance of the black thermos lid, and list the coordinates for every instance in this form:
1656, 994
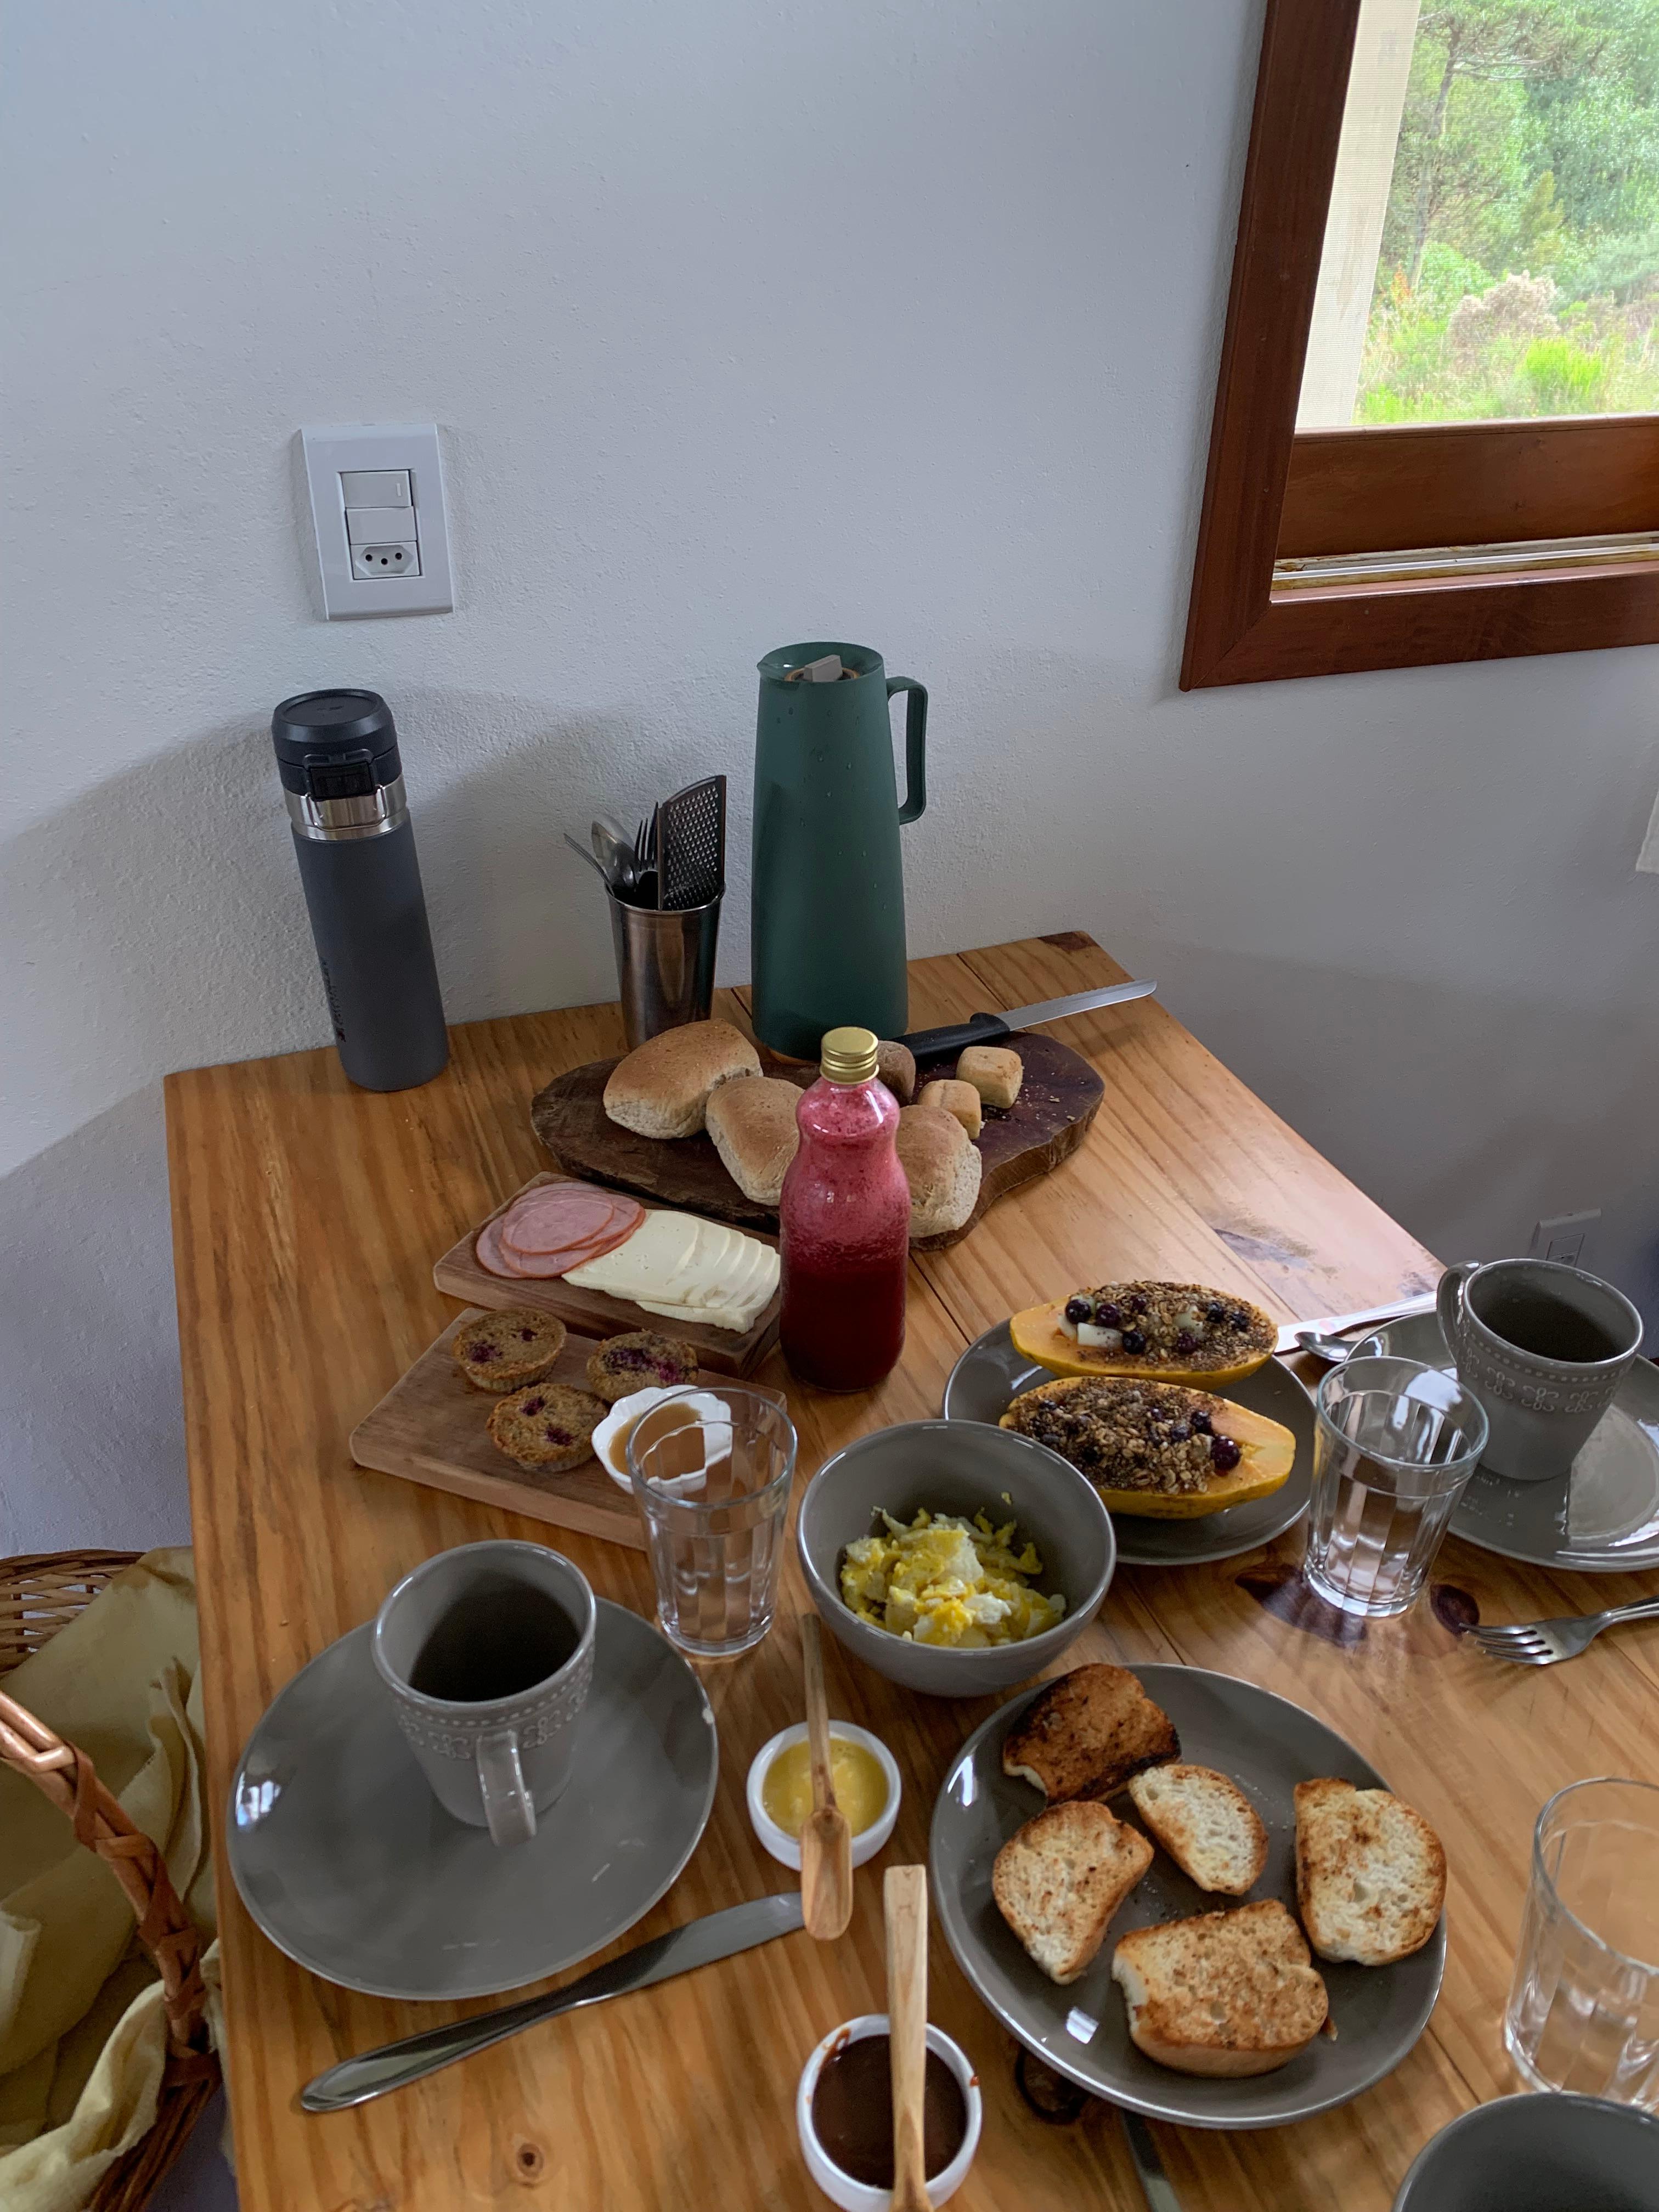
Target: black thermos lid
335, 745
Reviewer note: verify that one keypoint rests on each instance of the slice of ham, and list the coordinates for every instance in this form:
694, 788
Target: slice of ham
544, 1221
487, 1248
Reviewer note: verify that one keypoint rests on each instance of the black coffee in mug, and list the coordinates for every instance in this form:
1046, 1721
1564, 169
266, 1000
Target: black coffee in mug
493, 1642
1547, 1327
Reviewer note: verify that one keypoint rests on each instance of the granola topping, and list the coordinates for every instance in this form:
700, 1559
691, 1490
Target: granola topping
1162, 1322
1126, 1434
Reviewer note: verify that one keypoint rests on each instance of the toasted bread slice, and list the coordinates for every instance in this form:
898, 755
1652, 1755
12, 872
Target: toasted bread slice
1370, 1873
1087, 1733
1227, 1993
1205, 1823
1060, 1880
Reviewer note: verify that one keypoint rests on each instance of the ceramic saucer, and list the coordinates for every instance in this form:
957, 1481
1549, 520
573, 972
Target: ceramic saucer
1601, 1518
990, 1375
348, 1863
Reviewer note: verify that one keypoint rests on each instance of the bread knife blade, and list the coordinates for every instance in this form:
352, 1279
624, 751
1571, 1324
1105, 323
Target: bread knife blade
985, 1029
698, 1943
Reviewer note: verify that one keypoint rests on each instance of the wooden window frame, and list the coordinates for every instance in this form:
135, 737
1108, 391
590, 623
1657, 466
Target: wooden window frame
1272, 493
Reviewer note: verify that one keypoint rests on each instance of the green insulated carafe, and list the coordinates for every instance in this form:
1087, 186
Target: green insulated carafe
827, 918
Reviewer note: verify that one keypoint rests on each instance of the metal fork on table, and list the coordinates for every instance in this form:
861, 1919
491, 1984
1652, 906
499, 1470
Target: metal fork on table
1543, 1643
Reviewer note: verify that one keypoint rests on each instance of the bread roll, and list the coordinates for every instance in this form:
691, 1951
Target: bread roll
995, 1073
896, 1064
662, 1088
942, 1168
753, 1126
960, 1099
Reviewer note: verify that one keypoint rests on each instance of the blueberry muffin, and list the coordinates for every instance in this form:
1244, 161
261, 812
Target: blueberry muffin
505, 1350
547, 1428
641, 1360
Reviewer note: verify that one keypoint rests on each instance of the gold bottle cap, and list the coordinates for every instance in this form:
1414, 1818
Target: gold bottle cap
847, 1055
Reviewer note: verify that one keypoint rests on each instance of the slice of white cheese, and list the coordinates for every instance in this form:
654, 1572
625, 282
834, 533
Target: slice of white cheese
646, 1262
687, 1270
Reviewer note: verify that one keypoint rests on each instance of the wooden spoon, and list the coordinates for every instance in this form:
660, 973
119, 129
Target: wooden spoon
904, 1896
826, 1841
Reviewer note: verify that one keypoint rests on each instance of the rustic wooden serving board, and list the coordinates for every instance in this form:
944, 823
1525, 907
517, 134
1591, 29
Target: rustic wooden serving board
429, 1427
591, 1312
1046, 1123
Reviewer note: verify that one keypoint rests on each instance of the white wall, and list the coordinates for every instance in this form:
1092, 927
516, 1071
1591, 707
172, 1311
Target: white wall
892, 320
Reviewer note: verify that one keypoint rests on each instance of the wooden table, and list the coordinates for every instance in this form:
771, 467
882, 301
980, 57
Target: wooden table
307, 1215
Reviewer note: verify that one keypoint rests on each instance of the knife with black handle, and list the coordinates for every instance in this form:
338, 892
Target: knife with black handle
699, 1943
985, 1029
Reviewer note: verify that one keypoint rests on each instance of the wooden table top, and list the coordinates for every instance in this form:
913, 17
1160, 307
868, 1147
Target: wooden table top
307, 1215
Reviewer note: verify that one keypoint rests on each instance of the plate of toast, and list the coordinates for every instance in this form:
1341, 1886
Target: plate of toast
1189, 1896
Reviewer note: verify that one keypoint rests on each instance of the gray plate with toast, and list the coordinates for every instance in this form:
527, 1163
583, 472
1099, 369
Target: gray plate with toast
1266, 1745
990, 1375
1601, 1518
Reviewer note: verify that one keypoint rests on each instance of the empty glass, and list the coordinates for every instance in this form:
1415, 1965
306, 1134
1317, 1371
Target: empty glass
715, 1495
1583, 2013
1395, 1443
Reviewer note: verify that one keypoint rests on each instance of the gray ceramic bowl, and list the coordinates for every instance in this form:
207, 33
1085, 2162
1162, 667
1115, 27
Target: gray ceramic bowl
1538, 2154
957, 1467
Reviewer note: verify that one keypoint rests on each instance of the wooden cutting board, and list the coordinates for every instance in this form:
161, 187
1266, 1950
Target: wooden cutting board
1046, 1123
592, 1312
429, 1427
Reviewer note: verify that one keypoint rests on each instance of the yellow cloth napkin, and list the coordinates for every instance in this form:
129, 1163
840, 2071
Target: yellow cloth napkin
82, 2034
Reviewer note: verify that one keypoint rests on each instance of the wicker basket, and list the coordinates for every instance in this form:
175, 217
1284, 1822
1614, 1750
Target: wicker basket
39, 1595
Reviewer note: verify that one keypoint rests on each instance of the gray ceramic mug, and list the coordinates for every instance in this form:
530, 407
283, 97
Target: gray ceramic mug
487, 1652
1541, 1409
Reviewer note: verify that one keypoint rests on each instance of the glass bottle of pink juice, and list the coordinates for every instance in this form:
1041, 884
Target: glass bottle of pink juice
845, 1217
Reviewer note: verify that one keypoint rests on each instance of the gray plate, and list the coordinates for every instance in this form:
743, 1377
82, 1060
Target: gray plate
1603, 1518
990, 1375
348, 1863
1267, 1746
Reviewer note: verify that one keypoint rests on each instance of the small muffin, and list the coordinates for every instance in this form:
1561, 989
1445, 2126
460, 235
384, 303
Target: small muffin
546, 1428
505, 1350
641, 1360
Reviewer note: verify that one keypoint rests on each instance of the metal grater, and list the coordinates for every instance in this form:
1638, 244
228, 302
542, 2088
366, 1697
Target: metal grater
690, 841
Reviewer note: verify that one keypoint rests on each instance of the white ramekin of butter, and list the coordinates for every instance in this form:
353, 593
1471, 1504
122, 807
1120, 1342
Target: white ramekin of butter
867, 1789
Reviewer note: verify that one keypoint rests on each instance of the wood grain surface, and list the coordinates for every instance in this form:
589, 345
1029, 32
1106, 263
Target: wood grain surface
1058, 1098
306, 1216
430, 1427
459, 1275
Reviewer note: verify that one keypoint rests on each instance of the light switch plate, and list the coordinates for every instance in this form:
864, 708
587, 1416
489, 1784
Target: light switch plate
424, 585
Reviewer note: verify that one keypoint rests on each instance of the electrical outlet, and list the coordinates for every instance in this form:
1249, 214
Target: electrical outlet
1564, 1236
402, 559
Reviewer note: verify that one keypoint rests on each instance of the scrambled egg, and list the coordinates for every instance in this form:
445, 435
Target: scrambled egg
947, 1580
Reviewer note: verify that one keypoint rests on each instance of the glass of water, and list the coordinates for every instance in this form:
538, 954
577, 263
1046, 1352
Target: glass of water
1583, 2013
711, 1468
1394, 1445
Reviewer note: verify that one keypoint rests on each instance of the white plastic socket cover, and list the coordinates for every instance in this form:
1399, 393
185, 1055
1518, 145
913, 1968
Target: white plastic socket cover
353, 588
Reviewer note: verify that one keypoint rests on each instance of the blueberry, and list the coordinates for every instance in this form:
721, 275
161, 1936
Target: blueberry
1240, 1323
1224, 1455
1137, 1305
1179, 1434
484, 1351
1079, 1308
1215, 1313
1202, 1422
1186, 1341
1133, 1341
535, 1406
1108, 1315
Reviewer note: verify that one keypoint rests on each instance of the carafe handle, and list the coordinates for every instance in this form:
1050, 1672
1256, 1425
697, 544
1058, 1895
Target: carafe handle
1449, 1304
916, 746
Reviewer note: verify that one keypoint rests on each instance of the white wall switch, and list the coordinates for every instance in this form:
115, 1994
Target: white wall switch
1564, 1236
377, 509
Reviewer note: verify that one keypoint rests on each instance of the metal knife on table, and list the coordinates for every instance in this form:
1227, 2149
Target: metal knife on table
985, 1029
699, 1943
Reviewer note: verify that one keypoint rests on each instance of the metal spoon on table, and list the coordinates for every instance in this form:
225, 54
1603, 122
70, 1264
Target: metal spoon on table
1337, 1349
826, 1840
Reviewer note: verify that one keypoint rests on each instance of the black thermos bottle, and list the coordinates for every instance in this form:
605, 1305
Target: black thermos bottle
338, 752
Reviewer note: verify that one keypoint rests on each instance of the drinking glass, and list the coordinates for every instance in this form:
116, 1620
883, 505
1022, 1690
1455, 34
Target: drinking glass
1583, 2012
716, 1538
1394, 1445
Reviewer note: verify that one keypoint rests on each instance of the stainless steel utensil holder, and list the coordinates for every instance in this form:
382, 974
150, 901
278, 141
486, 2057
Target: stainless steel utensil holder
665, 965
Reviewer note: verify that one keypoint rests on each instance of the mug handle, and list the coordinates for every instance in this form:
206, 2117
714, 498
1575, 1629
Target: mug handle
507, 1804
1449, 1304
916, 746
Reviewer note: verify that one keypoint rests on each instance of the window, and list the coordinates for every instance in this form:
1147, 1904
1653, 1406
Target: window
1437, 426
